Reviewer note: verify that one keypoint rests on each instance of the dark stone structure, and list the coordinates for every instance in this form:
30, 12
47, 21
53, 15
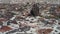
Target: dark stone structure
35, 10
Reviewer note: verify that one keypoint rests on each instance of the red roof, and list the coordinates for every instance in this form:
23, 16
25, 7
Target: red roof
45, 31
2, 19
5, 28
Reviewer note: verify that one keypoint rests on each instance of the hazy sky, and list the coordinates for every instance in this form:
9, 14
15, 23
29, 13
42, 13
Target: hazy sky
51, 1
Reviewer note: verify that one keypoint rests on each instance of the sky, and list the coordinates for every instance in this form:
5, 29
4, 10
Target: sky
18, 1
